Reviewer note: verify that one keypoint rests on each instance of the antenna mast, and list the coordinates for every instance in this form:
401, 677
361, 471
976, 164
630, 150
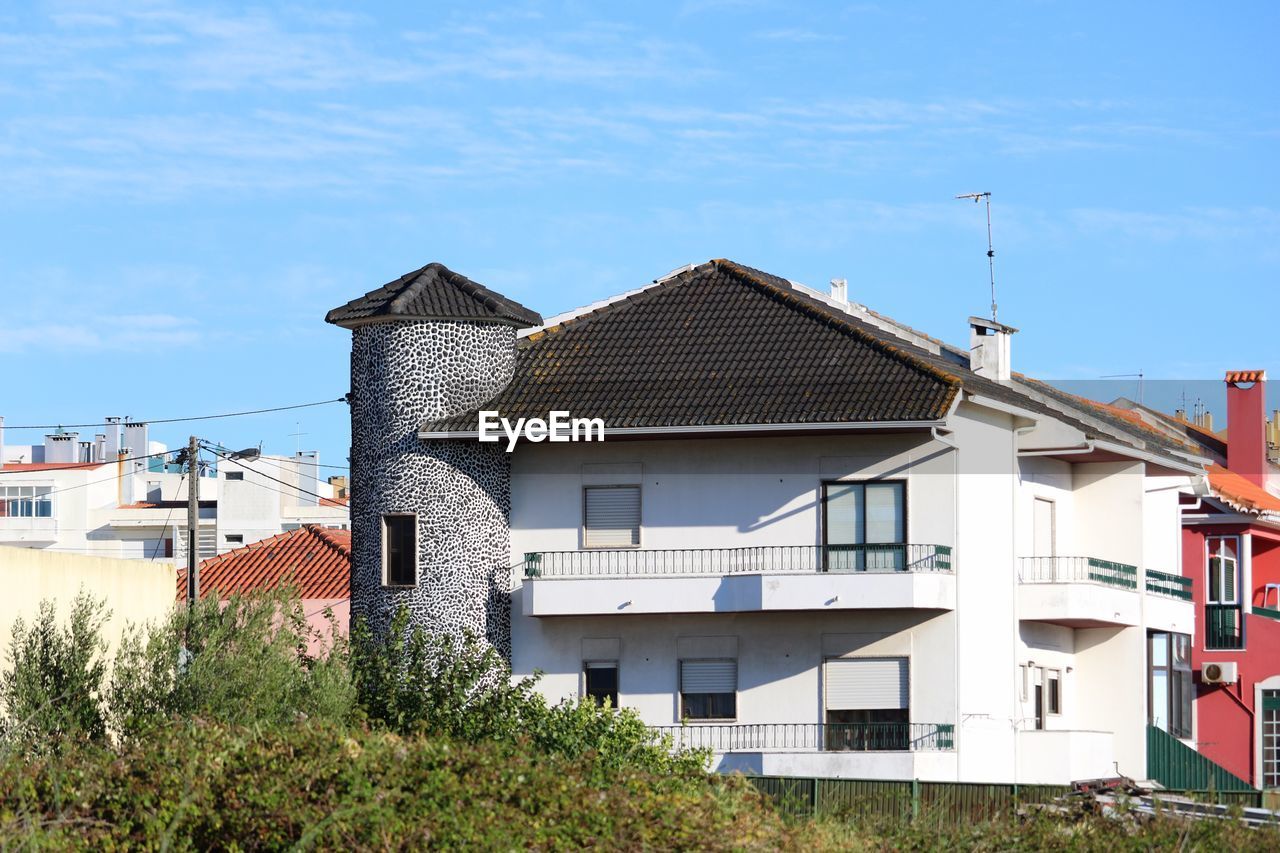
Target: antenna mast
991, 252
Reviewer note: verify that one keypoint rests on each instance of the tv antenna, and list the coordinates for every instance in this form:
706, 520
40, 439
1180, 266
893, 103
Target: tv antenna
1139, 376
991, 252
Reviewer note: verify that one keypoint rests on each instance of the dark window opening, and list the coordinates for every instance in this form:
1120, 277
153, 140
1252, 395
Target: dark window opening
602, 683
868, 729
235, 475
400, 550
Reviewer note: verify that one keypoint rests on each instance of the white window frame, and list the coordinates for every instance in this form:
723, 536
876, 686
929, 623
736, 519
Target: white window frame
1208, 569
600, 663
1052, 675
386, 565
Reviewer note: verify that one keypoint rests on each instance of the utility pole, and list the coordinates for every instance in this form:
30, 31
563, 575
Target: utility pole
193, 520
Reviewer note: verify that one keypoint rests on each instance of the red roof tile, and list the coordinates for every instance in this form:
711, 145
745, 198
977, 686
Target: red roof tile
48, 466
1234, 376
317, 560
335, 501
1241, 493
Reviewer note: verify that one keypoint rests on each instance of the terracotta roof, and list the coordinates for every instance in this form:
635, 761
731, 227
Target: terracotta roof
1246, 376
335, 501
1241, 493
49, 466
433, 292
718, 344
317, 560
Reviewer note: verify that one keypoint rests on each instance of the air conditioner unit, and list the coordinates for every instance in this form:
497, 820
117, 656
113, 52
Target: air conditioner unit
1219, 673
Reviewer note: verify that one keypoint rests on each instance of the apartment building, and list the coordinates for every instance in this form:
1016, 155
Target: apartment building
121, 494
813, 539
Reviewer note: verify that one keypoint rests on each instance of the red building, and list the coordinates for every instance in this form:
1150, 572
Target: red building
1231, 548
1231, 553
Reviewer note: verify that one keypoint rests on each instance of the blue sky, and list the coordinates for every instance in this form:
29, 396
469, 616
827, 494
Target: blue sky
186, 188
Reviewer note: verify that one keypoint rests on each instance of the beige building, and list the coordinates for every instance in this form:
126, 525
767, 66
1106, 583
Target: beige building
134, 591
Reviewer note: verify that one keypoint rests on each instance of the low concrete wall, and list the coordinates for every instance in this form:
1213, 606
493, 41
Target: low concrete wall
134, 591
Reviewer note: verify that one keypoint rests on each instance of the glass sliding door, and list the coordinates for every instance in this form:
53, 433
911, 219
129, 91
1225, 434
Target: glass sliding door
864, 526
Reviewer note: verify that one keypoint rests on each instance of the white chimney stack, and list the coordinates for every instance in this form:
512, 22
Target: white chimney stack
989, 350
840, 289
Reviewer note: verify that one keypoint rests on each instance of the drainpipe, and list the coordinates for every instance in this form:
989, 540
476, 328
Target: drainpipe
1087, 447
1013, 546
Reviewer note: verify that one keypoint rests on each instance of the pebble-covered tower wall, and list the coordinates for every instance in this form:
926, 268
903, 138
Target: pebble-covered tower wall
404, 373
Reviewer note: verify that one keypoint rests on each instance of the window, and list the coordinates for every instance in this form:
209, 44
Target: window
708, 689
1270, 738
400, 549
1223, 570
1053, 691
601, 679
235, 475
867, 704
235, 538
864, 526
611, 516
26, 502
1171, 689
1044, 529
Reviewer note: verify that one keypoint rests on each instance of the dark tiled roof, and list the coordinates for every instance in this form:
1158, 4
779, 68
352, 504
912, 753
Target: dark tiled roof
719, 344
436, 293
316, 560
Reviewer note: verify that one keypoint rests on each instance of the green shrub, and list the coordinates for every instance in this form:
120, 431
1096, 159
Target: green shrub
463, 690
50, 691
316, 785
242, 661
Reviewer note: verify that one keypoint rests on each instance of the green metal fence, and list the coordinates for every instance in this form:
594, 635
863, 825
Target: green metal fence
693, 562
1224, 626
1175, 765
1173, 586
947, 802
1077, 570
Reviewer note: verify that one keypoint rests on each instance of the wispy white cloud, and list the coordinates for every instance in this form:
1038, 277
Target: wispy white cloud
797, 35
107, 333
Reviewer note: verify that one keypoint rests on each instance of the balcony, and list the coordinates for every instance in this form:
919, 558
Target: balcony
1168, 602
735, 580
811, 737
851, 750
1223, 627
1078, 592
28, 530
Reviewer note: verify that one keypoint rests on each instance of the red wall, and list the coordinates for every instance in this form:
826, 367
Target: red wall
1225, 729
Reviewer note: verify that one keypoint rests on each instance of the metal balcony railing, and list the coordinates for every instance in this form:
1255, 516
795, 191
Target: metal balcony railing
813, 737
689, 562
1223, 626
1077, 570
1173, 586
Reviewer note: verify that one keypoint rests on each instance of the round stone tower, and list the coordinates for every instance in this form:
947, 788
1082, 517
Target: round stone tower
429, 346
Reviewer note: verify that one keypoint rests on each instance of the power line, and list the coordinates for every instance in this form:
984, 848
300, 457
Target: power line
184, 420
249, 467
169, 515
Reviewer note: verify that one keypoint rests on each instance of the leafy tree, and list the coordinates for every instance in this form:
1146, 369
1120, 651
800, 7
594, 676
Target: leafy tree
50, 692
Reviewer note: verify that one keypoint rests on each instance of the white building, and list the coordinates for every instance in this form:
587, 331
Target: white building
814, 540
121, 494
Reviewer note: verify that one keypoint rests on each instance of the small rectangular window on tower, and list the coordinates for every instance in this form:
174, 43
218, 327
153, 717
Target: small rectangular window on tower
400, 549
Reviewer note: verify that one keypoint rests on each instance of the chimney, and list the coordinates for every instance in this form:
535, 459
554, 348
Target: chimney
840, 289
989, 351
1206, 420
100, 447
1246, 424
113, 440
60, 447
308, 462
136, 441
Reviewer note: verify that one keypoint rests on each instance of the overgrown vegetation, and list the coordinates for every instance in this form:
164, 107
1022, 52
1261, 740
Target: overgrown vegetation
217, 729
